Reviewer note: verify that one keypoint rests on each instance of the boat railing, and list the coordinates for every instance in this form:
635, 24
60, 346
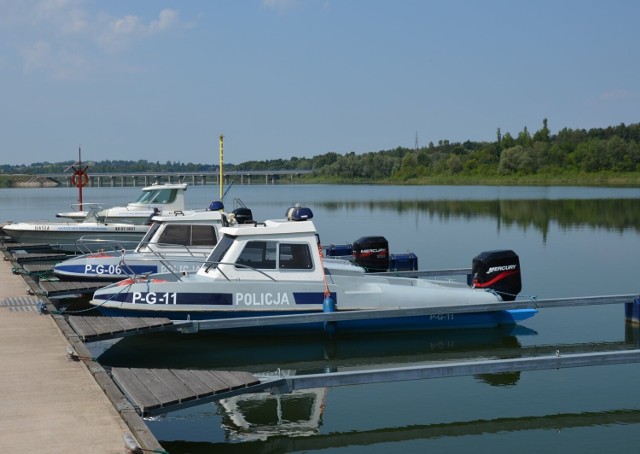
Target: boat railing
84, 206
166, 258
211, 264
87, 244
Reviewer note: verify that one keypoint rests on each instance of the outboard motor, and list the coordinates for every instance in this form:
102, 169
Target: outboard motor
243, 215
372, 253
499, 271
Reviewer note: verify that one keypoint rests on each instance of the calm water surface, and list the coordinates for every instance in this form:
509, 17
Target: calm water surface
571, 242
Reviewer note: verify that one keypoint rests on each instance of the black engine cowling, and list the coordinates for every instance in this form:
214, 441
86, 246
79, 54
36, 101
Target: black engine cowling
372, 253
499, 271
243, 215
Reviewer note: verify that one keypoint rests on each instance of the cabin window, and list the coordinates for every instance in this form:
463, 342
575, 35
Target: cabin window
295, 256
158, 196
188, 235
259, 254
203, 235
175, 234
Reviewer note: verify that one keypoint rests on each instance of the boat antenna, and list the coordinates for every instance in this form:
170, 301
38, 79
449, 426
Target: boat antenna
221, 160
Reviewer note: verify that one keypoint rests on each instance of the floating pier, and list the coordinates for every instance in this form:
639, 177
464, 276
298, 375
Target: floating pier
154, 391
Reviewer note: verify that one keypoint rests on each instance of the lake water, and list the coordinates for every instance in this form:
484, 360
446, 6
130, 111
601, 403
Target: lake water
571, 241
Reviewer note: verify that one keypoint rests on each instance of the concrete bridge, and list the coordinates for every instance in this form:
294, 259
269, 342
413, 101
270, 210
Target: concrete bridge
122, 179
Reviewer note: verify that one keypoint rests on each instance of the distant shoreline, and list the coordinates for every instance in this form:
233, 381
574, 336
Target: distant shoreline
604, 179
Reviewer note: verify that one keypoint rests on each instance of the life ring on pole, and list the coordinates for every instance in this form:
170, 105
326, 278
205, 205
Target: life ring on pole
80, 178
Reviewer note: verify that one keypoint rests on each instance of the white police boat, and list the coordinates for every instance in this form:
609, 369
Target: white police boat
277, 268
179, 242
155, 199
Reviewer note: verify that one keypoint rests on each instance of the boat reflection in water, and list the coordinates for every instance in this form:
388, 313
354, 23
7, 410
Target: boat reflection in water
261, 416
314, 353
266, 417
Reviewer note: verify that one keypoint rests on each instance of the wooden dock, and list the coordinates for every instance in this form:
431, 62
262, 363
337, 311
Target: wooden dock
96, 328
161, 390
39, 267
60, 289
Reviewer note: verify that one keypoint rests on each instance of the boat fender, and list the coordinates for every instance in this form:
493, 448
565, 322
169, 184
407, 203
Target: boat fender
328, 305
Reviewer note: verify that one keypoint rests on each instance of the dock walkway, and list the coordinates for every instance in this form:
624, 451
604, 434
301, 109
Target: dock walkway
50, 404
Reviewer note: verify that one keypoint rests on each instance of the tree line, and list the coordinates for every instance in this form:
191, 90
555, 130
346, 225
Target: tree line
615, 149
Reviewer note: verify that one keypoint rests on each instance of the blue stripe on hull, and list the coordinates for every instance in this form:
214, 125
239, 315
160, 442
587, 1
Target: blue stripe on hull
428, 322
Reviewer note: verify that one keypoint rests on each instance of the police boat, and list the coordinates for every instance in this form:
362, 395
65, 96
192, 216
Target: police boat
176, 242
277, 267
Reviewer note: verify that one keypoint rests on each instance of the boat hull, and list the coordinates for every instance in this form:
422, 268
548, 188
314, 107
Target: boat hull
442, 321
75, 237
196, 299
113, 266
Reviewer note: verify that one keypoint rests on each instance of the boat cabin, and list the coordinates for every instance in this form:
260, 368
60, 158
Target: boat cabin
275, 249
182, 230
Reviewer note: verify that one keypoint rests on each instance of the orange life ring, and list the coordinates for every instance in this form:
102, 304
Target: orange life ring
80, 178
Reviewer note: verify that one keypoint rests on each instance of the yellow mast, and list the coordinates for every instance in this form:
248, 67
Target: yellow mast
221, 164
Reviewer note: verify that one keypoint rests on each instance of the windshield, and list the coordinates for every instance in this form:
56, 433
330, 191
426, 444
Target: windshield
147, 237
158, 196
218, 253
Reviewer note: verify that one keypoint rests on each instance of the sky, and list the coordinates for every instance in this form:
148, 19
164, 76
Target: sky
160, 80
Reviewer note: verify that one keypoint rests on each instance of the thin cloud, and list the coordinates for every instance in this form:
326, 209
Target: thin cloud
118, 33
280, 5
64, 38
614, 95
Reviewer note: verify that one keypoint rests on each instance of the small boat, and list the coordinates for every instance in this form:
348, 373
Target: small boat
92, 234
276, 268
178, 242
155, 199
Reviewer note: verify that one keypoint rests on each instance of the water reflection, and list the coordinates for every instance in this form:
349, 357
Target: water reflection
312, 354
554, 422
610, 214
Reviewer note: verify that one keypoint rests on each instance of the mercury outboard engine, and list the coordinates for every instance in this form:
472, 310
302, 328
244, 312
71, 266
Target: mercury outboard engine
243, 215
499, 271
372, 253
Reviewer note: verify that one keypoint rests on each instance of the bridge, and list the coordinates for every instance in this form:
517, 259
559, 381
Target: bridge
122, 179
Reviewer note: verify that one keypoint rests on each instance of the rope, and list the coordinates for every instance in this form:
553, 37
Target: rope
327, 292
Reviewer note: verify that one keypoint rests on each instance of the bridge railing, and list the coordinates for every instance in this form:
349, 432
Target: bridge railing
122, 179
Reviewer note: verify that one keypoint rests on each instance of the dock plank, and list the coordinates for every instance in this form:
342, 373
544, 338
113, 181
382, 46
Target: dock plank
103, 325
155, 386
155, 321
245, 377
212, 381
232, 381
35, 257
82, 327
127, 324
59, 288
179, 388
194, 383
134, 389
91, 328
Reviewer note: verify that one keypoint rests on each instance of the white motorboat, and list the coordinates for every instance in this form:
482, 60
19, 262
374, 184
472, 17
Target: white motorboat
155, 199
92, 234
276, 268
179, 242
